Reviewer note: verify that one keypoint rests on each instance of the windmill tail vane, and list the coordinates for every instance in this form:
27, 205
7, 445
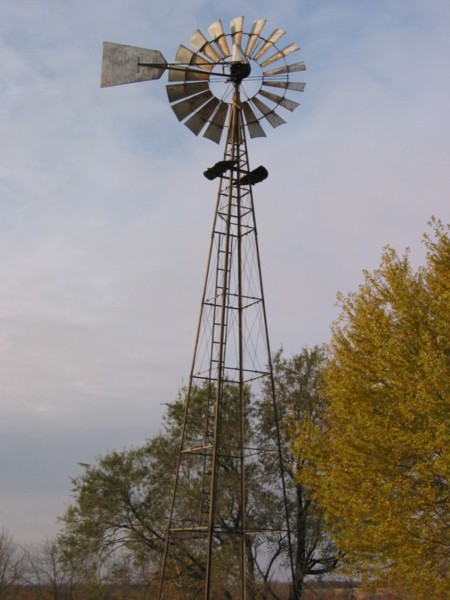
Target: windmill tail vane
238, 82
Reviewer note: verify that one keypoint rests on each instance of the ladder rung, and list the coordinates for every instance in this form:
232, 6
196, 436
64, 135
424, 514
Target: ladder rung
196, 449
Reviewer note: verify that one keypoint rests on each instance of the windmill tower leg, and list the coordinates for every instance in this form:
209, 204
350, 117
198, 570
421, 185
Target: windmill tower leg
213, 529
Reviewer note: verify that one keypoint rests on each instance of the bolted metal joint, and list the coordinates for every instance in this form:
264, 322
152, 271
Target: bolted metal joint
240, 66
239, 71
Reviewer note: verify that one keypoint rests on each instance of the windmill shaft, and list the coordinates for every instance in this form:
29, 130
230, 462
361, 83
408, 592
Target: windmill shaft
185, 68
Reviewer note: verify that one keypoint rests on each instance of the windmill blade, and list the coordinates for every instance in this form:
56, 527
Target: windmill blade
300, 66
217, 32
257, 28
281, 54
274, 37
237, 26
178, 91
280, 100
215, 128
202, 116
288, 85
203, 45
126, 64
186, 107
268, 113
181, 71
254, 128
186, 56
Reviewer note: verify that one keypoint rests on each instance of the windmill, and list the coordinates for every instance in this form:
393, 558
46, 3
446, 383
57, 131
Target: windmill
233, 82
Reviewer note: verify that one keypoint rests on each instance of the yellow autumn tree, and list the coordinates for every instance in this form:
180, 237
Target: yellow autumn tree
379, 457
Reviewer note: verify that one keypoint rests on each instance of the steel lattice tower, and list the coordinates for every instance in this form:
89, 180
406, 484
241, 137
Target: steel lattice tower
214, 529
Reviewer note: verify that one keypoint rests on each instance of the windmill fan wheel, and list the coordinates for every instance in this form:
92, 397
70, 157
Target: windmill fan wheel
233, 59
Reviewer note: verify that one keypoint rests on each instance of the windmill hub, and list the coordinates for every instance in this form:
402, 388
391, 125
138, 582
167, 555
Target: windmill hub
239, 71
240, 66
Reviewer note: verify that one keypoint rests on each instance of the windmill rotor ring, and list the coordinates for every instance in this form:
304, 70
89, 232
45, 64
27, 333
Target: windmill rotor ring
201, 81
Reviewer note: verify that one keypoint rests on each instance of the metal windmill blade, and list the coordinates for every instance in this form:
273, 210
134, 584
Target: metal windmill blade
254, 36
269, 43
219, 37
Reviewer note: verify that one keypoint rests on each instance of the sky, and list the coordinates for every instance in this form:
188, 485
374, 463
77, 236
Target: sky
105, 216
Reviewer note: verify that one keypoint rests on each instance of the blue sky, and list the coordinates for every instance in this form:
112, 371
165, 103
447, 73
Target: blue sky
105, 214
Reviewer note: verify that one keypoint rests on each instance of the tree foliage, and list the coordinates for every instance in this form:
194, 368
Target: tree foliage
379, 460
296, 382
121, 502
48, 574
11, 563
